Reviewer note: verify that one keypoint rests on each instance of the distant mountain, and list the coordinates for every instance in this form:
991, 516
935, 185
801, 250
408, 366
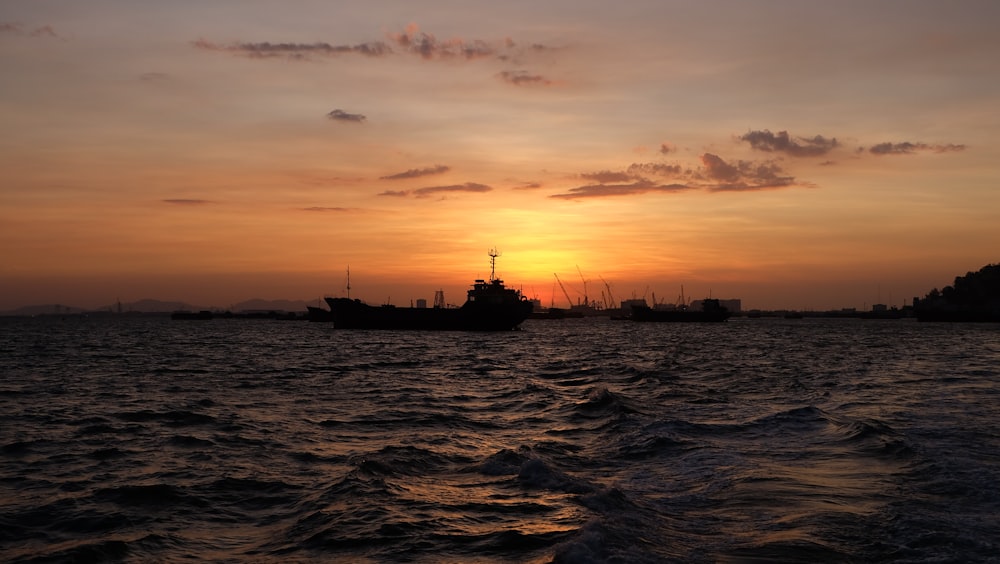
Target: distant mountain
153, 306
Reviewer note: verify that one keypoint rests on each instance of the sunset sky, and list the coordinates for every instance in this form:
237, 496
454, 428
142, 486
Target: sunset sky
794, 154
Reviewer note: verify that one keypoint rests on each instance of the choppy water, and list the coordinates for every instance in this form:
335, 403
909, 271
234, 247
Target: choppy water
143, 439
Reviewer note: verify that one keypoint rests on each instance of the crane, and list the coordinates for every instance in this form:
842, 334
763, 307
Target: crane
586, 301
565, 293
611, 297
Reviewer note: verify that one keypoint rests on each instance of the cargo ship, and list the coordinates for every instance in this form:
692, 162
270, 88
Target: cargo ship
489, 306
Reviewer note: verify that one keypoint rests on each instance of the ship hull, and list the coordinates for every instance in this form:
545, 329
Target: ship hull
354, 314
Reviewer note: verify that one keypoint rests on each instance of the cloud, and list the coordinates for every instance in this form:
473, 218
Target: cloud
341, 115
657, 169
153, 76
528, 186
715, 175
427, 191
467, 187
329, 209
523, 78
427, 46
18, 29
908, 148
666, 148
641, 186
186, 202
741, 176
606, 176
296, 51
417, 172
781, 142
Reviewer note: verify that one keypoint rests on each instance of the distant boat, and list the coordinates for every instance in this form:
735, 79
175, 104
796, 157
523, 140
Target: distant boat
490, 306
711, 311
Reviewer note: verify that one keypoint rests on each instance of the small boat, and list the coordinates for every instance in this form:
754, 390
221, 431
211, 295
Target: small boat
490, 306
711, 311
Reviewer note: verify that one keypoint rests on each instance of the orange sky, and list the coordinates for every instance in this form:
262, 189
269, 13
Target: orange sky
790, 154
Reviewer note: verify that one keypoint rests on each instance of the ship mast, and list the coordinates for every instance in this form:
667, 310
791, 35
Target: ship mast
348, 282
493, 263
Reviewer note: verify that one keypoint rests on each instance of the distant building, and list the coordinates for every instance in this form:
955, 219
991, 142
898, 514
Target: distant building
421, 303
733, 305
627, 305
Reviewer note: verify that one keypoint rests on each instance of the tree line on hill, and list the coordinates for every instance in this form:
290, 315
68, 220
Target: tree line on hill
973, 297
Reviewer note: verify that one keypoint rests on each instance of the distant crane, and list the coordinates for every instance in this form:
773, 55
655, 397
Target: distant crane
565, 293
586, 300
611, 297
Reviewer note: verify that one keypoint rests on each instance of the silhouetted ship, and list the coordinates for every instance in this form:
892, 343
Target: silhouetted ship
490, 306
711, 311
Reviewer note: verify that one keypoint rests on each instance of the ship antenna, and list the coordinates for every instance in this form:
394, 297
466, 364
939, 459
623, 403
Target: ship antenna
493, 263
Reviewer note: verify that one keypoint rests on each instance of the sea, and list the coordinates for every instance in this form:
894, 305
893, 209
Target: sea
130, 438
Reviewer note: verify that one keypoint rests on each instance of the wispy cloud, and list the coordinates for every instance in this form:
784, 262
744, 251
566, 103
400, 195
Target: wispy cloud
18, 29
427, 46
657, 169
429, 190
781, 142
908, 148
524, 78
186, 202
528, 186
153, 76
324, 209
641, 186
341, 115
606, 176
417, 172
410, 41
714, 175
295, 51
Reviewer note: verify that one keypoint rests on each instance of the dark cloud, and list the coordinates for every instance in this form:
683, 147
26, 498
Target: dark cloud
657, 169
741, 176
341, 115
605, 190
606, 176
528, 186
467, 187
523, 78
427, 46
715, 175
908, 148
666, 148
781, 142
18, 29
427, 191
417, 172
186, 202
300, 51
